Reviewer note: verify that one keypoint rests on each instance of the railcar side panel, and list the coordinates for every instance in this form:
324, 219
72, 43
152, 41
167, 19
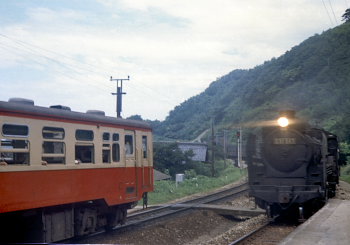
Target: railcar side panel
34, 189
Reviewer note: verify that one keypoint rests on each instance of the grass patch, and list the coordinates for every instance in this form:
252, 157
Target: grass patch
166, 190
345, 173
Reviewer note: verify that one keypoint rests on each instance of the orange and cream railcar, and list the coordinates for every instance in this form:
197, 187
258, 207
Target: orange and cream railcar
65, 173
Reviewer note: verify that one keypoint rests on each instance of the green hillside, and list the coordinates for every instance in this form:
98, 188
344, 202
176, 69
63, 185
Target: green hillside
312, 78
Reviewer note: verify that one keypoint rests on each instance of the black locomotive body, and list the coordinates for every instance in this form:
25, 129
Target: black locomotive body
292, 167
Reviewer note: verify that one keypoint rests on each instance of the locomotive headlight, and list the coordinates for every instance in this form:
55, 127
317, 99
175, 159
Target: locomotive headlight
283, 121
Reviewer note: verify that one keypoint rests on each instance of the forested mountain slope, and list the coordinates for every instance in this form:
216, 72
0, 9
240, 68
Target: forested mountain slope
313, 78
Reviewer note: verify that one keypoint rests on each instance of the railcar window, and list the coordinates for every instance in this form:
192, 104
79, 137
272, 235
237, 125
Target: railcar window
106, 136
15, 130
129, 145
84, 153
144, 146
85, 135
53, 133
53, 152
53, 147
115, 137
116, 152
115, 148
106, 153
14, 151
106, 148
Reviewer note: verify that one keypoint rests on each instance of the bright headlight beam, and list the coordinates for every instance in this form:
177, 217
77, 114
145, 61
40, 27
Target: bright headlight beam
283, 122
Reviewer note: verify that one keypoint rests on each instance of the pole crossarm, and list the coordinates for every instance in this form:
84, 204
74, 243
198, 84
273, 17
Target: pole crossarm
119, 93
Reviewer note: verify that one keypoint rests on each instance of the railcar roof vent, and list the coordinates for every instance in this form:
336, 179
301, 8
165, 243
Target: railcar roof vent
21, 101
61, 107
96, 112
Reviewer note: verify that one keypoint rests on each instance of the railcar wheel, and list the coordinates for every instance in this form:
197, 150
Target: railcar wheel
117, 215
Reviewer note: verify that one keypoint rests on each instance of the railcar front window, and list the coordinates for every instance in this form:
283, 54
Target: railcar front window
15, 130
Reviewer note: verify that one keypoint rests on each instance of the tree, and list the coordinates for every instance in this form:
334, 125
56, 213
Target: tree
346, 15
170, 157
135, 117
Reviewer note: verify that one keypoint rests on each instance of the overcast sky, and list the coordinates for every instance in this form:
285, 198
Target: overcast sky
64, 51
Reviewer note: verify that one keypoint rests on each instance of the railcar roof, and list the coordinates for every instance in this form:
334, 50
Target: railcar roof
25, 110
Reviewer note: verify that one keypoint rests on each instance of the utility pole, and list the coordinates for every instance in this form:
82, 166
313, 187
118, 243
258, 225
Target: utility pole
239, 147
119, 94
225, 147
212, 148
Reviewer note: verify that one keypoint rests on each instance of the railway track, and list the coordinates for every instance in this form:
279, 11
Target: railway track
167, 211
269, 233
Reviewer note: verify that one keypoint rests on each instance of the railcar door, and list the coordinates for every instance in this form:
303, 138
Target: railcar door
146, 161
131, 164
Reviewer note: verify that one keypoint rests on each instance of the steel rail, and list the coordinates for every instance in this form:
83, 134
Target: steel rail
250, 234
167, 210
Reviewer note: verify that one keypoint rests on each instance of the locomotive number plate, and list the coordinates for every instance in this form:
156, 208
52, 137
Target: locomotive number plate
284, 141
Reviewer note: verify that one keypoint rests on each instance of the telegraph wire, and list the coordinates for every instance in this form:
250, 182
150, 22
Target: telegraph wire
76, 69
335, 18
11, 49
329, 16
37, 51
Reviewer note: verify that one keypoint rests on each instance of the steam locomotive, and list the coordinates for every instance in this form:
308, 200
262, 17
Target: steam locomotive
292, 167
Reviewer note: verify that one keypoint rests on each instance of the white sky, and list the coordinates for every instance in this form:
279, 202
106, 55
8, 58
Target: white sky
64, 51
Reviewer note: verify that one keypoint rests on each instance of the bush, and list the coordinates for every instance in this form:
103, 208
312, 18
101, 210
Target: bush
345, 173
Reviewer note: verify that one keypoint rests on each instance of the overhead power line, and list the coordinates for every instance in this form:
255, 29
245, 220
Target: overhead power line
72, 65
329, 17
335, 18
